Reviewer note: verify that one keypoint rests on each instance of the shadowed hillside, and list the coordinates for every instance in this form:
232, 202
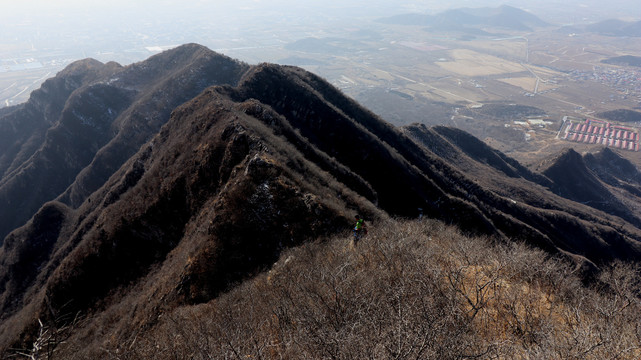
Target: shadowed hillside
574, 180
85, 123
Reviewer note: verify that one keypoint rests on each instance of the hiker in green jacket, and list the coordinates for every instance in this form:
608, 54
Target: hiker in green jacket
359, 229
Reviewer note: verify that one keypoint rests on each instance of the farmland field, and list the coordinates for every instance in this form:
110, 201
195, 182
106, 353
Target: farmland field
471, 63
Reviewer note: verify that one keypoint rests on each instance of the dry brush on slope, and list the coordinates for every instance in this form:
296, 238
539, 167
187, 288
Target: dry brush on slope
410, 290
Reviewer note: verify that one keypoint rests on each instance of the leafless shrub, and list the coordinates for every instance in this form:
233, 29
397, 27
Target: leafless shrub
51, 335
410, 290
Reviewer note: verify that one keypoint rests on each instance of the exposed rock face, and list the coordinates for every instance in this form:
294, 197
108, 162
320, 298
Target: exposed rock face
166, 182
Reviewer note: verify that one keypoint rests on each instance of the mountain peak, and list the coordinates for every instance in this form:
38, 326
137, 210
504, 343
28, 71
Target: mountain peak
574, 179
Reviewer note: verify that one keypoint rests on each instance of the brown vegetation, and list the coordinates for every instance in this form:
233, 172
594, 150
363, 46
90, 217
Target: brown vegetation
410, 290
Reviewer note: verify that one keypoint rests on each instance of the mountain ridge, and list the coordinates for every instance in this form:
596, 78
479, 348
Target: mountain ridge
128, 117
264, 158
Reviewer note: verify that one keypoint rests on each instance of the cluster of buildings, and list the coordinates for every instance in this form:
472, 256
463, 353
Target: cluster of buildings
602, 133
621, 79
626, 81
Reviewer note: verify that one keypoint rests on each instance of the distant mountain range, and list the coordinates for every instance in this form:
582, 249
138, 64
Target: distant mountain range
611, 27
465, 19
614, 27
164, 183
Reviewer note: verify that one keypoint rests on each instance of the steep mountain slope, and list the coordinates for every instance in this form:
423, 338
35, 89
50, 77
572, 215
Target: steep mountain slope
464, 151
521, 205
213, 197
23, 128
614, 170
574, 180
272, 157
89, 120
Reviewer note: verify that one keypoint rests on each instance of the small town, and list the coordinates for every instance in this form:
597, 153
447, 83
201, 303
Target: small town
626, 81
592, 131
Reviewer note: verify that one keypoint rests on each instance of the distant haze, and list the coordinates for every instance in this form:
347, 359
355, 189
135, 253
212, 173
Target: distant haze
101, 28
40, 37
68, 23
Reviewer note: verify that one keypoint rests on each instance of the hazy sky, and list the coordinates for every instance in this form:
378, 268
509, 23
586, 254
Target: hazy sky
55, 8
115, 26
